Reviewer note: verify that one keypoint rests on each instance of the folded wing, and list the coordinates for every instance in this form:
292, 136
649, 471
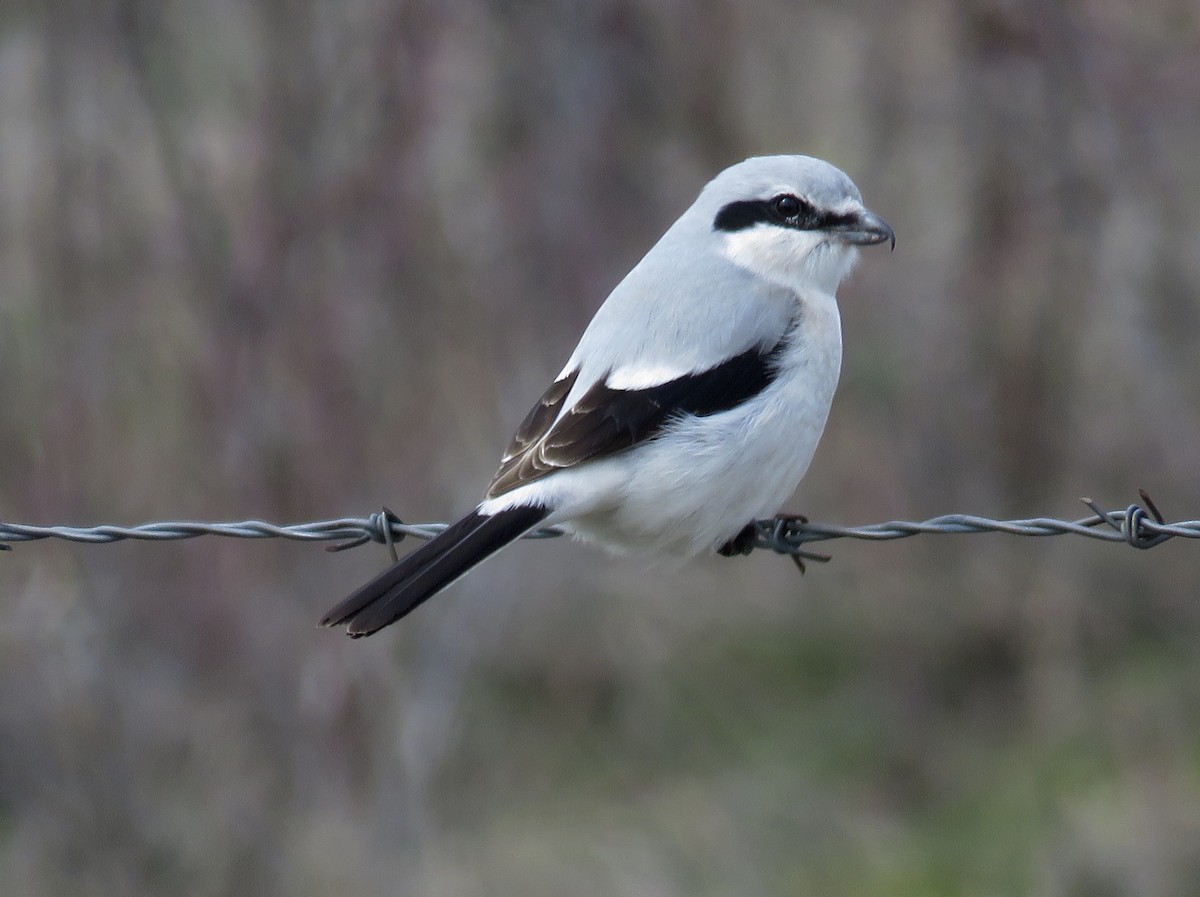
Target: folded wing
606, 420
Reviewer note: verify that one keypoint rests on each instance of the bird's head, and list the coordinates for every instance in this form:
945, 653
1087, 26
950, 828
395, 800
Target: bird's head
793, 220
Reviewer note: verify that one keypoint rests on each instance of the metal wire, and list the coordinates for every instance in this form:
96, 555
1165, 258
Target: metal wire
1139, 525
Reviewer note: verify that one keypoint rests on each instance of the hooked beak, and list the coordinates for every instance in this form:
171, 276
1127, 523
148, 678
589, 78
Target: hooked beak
863, 228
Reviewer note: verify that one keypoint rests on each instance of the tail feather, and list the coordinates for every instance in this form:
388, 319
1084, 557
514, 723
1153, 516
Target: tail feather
421, 574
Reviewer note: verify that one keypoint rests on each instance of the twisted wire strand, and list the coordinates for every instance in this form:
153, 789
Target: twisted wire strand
1138, 525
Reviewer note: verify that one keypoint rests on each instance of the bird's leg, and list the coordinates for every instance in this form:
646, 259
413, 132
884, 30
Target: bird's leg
742, 543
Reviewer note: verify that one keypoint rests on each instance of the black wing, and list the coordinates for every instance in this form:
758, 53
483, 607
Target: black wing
606, 420
540, 417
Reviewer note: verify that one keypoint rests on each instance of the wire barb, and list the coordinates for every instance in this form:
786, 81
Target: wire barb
384, 527
1133, 525
1140, 525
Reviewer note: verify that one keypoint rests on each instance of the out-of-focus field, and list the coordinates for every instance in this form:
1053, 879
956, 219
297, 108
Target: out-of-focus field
299, 260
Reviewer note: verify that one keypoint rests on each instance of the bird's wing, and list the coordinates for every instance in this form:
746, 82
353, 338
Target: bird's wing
605, 420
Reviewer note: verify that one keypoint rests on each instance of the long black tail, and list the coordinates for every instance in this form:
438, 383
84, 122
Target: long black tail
421, 574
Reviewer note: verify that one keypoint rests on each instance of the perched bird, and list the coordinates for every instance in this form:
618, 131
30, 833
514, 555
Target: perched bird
695, 398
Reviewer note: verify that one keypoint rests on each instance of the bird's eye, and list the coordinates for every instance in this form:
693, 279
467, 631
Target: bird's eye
787, 206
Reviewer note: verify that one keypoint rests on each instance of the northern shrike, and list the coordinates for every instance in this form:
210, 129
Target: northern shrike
695, 398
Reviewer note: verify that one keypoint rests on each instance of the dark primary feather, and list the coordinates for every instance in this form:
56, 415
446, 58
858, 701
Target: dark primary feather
542, 415
422, 573
607, 420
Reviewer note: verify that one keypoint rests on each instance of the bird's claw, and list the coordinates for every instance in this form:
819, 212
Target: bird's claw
776, 536
772, 534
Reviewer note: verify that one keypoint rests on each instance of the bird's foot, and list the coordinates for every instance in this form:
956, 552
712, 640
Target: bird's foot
779, 524
775, 534
783, 519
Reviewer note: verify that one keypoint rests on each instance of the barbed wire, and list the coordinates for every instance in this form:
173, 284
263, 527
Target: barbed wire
1138, 525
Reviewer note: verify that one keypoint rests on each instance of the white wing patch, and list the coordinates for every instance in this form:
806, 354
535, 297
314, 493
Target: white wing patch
634, 377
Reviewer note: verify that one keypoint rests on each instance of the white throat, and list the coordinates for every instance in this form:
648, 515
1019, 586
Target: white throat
801, 261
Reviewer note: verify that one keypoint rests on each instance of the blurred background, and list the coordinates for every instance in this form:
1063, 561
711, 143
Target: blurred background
300, 260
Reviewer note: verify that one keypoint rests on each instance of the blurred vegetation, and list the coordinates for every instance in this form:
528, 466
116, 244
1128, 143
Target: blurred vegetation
295, 260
